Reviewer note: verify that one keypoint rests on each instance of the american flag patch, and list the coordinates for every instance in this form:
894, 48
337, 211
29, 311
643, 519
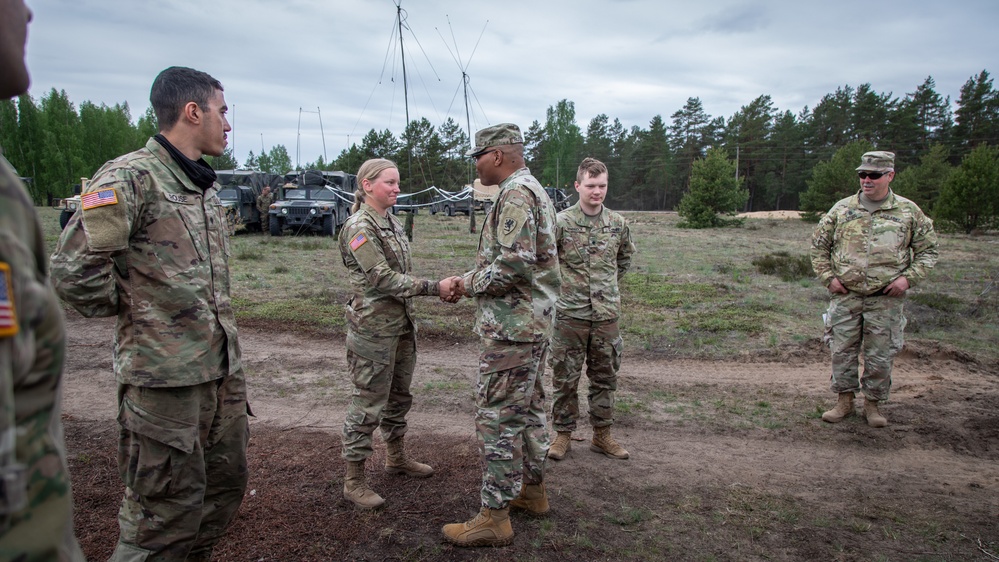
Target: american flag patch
8, 316
358, 241
98, 199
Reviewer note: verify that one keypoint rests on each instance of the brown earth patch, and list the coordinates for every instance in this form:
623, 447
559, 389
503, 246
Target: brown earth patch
729, 461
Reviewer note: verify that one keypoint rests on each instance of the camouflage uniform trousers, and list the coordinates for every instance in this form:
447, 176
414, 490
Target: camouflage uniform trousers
43, 528
182, 457
874, 324
382, 371
599, 345
510, 422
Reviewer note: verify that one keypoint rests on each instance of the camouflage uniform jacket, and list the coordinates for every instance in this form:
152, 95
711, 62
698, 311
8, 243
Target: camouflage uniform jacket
593, 257
376, 252
35, 500
158, 258
264, 203
867, 251
516, 281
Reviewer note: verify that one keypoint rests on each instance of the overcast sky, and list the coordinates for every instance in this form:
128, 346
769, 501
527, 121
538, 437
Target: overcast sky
280, 62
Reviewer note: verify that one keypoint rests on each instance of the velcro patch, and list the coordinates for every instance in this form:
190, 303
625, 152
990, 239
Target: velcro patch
98, 198
8, 315
358, 241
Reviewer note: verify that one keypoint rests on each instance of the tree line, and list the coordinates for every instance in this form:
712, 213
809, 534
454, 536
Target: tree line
780, 158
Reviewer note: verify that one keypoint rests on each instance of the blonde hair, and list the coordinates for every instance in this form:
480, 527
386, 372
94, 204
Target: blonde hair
370, 171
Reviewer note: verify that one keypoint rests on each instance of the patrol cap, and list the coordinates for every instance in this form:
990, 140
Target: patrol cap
504, 133
877, 161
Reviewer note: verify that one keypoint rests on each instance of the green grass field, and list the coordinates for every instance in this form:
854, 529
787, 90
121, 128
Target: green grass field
718, 293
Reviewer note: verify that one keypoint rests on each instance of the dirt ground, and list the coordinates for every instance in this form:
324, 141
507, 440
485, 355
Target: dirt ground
729, 462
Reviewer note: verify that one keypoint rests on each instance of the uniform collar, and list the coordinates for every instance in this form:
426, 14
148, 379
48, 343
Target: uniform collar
582, 218
889, 202
163, 155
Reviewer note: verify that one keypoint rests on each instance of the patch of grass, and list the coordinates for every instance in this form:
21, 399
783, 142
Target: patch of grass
677, 299
784, 265
937, 301
629, 516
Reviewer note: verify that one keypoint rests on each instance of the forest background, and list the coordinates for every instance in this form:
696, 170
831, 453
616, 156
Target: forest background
946, 160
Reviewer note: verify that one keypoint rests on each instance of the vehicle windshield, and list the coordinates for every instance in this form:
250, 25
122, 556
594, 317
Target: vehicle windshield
323, 195
229, 195
295, 193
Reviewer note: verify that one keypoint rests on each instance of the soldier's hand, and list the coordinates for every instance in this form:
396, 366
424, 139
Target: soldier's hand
897, 288
445, 288
836, 287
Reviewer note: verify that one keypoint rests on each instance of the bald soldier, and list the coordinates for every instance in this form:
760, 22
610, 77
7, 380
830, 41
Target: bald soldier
36, 506
869, 249
151, 247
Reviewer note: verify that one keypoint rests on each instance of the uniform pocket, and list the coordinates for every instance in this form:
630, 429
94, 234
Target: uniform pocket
379, 350
152, 448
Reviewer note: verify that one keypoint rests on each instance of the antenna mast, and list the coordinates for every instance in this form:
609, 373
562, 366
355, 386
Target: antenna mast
405, 91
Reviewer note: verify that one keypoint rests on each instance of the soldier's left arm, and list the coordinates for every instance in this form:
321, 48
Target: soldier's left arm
516, 235
367, 251
924, 249
624, 252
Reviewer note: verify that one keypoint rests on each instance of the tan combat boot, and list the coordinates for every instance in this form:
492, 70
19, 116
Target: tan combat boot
844, 407
491, 527
397, 463
561, 446
356, 489
872, 415
604, 443
533, 499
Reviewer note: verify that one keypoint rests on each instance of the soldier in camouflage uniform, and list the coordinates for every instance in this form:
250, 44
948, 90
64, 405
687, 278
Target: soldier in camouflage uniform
264, 201
515, 285
150, 247
869, 249
594, 252
381, 333
36, 506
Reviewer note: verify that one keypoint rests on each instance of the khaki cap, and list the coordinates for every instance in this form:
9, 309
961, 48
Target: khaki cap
877, 161
504, 133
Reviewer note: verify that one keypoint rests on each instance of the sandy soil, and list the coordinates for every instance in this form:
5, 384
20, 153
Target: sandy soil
771, 215
689, 425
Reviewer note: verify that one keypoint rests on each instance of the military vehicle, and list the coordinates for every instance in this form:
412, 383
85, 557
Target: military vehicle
316, 201
559, 198
475, 197
71, 205
240, 189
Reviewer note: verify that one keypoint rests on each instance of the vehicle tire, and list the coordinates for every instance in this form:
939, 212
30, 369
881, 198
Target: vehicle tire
276, 225
64, 218
329, 225
448, 210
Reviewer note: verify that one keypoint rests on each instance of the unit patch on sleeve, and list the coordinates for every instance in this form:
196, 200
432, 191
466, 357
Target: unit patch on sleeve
98, 199
8, 316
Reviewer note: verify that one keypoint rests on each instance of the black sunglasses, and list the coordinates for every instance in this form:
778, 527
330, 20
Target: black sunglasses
872, 175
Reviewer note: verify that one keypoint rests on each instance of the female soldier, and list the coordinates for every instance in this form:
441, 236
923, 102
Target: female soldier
381, 334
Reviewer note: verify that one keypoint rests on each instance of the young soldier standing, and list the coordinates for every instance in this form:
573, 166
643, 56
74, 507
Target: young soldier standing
594, 252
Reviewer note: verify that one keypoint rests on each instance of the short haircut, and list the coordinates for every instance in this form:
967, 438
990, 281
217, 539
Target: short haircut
590, 168
176, 86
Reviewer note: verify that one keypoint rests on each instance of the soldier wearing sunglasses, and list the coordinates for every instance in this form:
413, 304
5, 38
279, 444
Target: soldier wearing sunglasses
869, 249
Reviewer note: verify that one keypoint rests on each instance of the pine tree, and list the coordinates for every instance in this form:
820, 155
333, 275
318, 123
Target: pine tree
969, 199
714, 190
